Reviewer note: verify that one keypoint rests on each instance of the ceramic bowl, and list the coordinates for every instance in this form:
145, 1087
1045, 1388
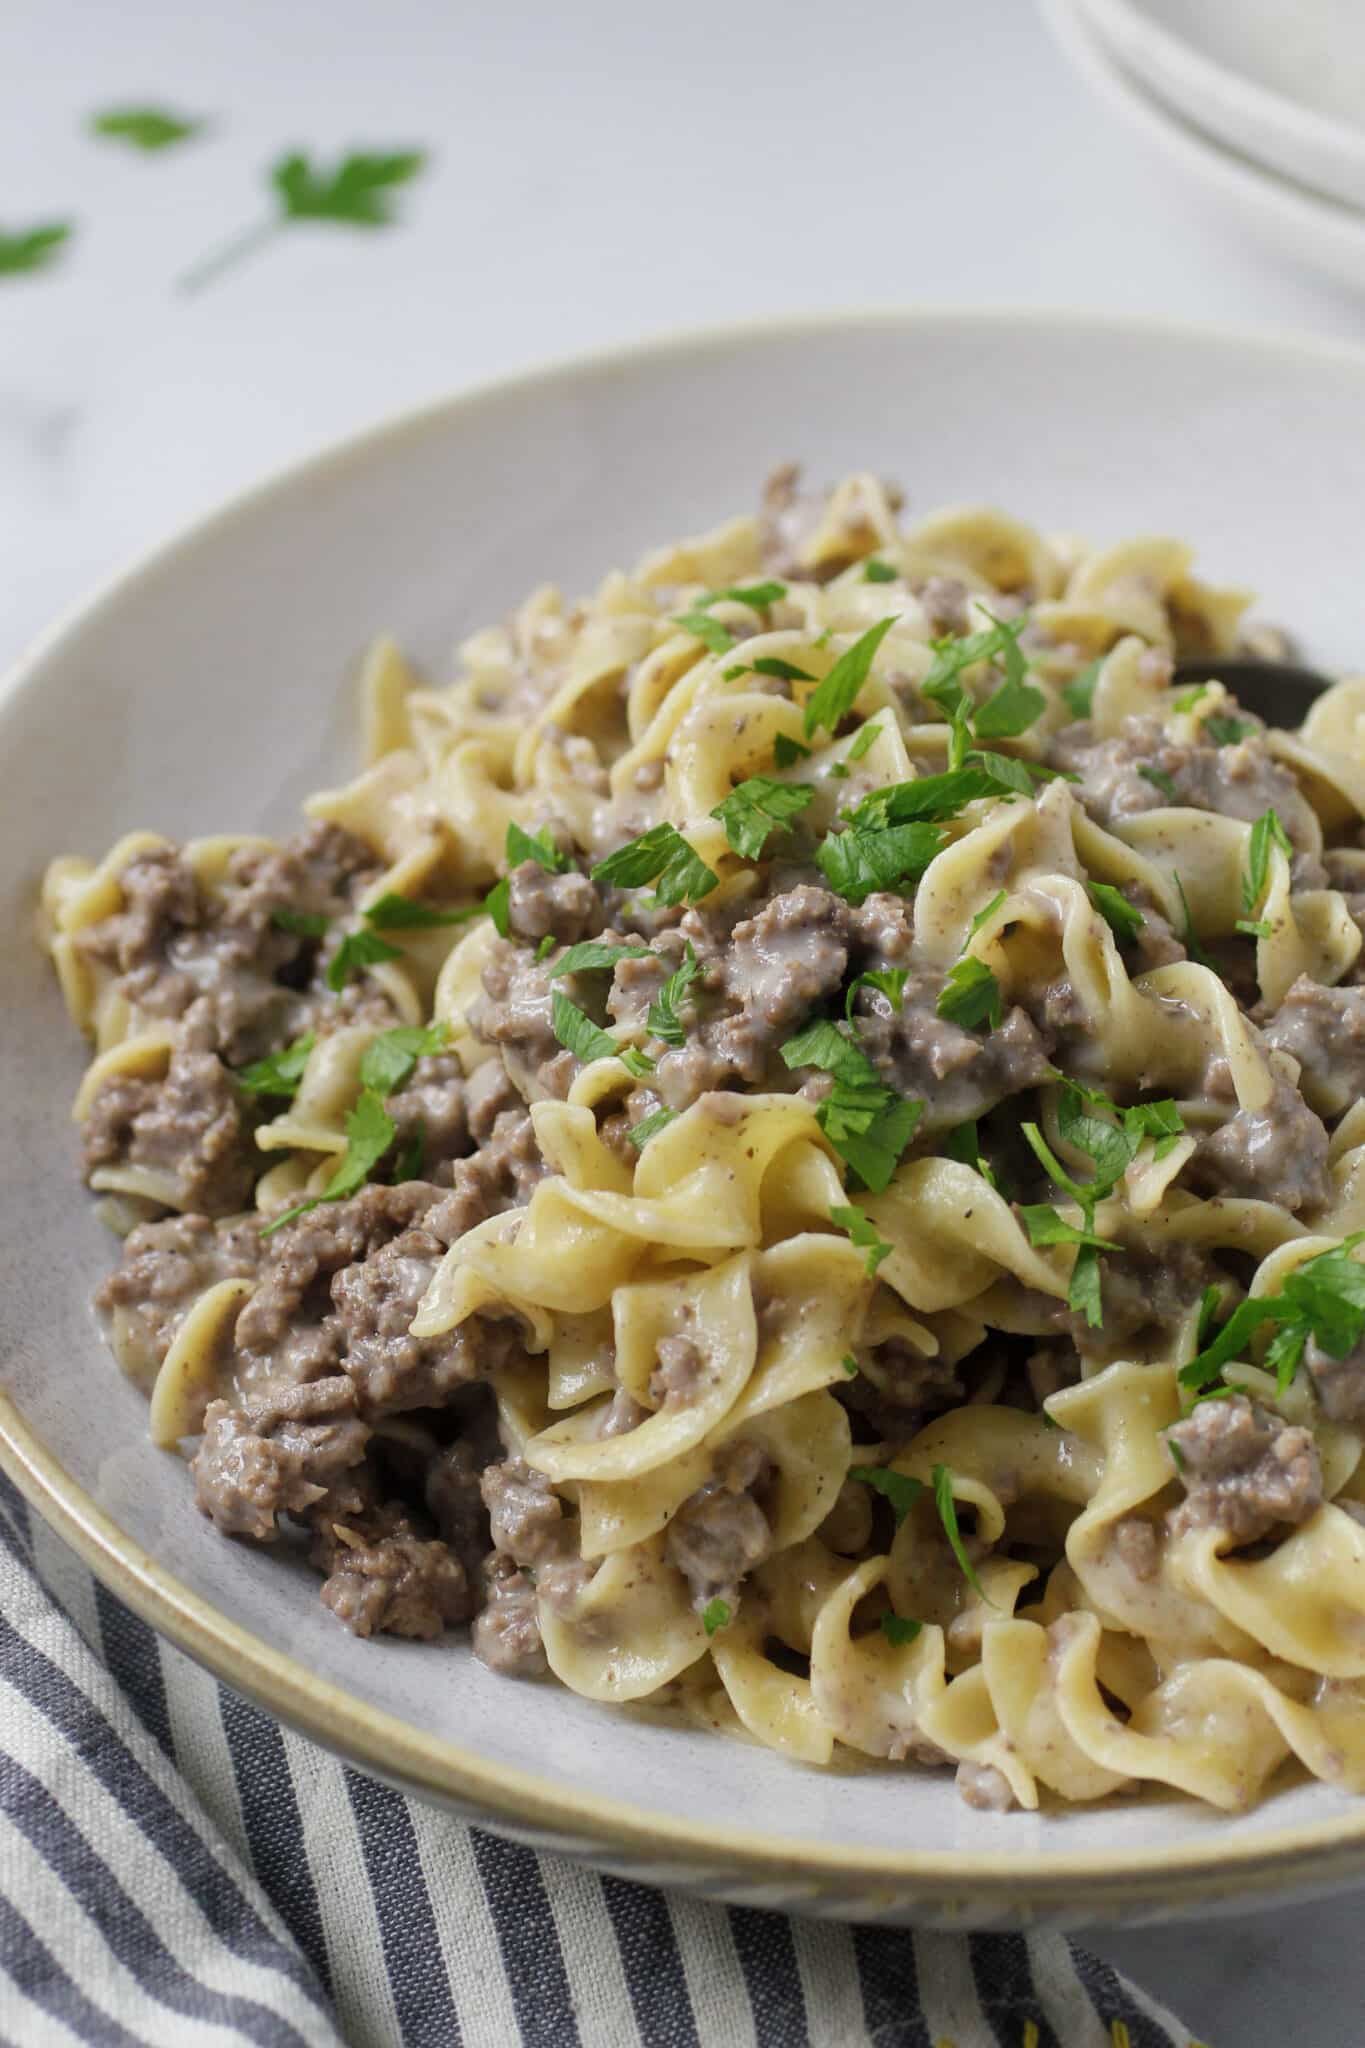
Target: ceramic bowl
212, 686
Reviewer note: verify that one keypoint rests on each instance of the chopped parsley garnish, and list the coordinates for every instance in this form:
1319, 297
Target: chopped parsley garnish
787, 751
758, 596
358, 193
1210, 1301
758, 807
592, 956
1079, 694
863, 1232
1187, 699
888, 981
850, 1365
1124, 920
783, 671
662, 1019
970, 996
715, 1616
1045, 1226
864, 742
411, 1158
1189, 937
833, 699
387, 1062
546, 947
392, 913
987, 912
1177, 1455
1228, 732
304, 924
709, 631
1324, 1299
650, 1127
279, 1073
899, 1629
947, 1514
357, 951
1013, 708
963, 1143
877, 571
867, 1123
1265, 833
575, 1030
661, 856
370, 1131
539, 847
858, 862
898, 1487
1159, 780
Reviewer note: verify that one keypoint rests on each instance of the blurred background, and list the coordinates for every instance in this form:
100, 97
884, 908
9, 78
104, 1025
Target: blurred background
594, 175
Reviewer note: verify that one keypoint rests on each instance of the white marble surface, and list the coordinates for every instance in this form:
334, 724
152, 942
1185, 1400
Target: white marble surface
602, 171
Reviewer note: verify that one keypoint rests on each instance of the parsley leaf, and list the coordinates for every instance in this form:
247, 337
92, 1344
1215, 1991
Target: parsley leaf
787, 751
539, 847
758, 596
1265, 833
898, 1487
715, 1616
1210, 1301
758, 807
1189, 937
856, 863
1085, 1294
412, 1157
661, 856
497, 904
1159, 780
876, 571
947, 1514
357, 194
783, 671
888, 981
148, 128
592, 956
357, 951
1013, 708
987, 912
834, 698
304, 924
1324, 1298
867, 1123
391, 913
1227, 732
1187, 699
970, 996
863, 1232
1110, 1149
662, 1018
850, 1365
279, 1073
370, 1131
1124, 920
997, 643
575, 1029
650, 1127
387, 1062
709, 631
937, 796
1045, 1226
26, 249
900, 1630
864, 742
963, 1143
1079, 694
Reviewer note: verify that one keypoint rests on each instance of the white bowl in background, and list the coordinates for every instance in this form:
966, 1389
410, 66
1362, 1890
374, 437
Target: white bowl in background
1282, 84
208, 689
1322, 233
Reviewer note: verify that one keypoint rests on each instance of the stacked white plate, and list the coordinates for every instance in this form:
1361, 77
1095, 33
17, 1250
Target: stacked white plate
1263, 100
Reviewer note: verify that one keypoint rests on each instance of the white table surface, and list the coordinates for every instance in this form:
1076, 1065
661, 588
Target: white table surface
603, 171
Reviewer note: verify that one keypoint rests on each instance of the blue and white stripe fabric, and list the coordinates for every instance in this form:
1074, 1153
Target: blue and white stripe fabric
176, 1871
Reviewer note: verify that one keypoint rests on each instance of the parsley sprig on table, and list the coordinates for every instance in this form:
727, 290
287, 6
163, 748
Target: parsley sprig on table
358, 192
150, 129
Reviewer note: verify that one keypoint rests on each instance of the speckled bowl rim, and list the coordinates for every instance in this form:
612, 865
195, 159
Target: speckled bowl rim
1317, 1855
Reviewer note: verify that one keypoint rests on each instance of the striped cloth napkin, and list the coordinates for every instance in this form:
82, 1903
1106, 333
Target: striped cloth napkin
176, 1871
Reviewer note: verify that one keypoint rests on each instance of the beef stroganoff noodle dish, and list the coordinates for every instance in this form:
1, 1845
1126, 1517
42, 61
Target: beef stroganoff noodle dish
792, 1149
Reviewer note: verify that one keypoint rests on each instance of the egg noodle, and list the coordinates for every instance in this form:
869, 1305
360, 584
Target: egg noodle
822, 1091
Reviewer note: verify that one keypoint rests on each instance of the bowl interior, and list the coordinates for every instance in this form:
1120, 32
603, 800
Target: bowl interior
212, 688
